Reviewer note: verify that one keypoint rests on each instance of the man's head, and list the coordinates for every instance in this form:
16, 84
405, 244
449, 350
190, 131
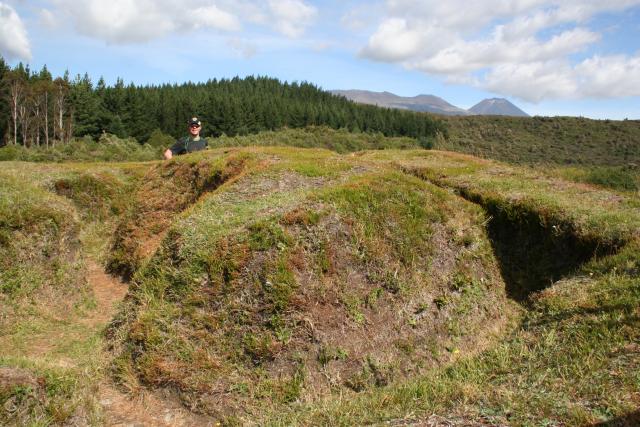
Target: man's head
195, 126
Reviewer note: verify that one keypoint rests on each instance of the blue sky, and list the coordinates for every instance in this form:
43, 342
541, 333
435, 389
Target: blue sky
549, 57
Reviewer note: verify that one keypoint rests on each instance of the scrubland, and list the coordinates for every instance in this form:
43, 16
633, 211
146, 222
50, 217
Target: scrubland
280, 286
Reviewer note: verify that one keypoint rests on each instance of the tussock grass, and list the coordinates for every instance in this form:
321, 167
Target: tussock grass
293, 286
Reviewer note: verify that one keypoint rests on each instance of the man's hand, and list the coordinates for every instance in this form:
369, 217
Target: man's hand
168, 154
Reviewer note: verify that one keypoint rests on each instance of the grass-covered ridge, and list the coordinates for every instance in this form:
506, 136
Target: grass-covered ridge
294, 282
280, 286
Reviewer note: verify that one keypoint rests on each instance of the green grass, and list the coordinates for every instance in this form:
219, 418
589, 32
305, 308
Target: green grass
621, 178
306, 287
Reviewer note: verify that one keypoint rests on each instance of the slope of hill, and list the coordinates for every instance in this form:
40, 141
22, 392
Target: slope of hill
497, 107
550, 140
422, 103
283, 286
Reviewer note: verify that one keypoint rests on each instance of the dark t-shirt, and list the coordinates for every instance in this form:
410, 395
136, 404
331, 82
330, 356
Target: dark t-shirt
188, 145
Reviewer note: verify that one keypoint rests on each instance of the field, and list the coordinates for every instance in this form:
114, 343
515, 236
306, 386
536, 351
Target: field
269, 285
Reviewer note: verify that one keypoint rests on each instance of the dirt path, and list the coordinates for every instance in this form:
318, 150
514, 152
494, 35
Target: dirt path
118, 408
108, 292
146, 409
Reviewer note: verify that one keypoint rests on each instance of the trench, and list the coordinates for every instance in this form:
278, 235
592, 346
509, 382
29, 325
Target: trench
532, 255
534, 249
156, 203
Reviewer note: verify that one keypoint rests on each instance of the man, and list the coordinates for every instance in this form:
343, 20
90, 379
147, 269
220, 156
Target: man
190, 143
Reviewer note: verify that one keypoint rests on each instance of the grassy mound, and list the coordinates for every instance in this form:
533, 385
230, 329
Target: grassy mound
41, 278
574, 360
308, 276
165, 191
282, 286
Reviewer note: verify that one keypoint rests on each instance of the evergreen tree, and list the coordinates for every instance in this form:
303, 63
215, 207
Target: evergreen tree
5, 113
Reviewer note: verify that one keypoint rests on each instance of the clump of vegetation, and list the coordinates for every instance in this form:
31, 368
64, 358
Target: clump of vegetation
341, 141
108, 148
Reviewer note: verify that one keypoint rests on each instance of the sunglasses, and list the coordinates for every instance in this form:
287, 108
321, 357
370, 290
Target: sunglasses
194, 126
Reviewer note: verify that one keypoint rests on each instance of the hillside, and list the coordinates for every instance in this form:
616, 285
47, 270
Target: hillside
601, 152
289, 286
559, 140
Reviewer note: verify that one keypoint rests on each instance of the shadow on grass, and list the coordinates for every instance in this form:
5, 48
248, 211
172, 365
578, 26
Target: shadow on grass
533, 256
630, 420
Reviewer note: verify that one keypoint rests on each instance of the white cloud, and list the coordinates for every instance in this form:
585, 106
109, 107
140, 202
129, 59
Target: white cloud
610, 76
14, 41
597, 77
46, 19
512, 47
136, 21
244, 48
213, 17
533, 81
292, 16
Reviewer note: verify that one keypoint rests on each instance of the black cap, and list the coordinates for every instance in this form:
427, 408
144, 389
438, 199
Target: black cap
195, 121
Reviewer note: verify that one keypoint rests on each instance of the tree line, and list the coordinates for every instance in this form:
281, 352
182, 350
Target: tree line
40, 110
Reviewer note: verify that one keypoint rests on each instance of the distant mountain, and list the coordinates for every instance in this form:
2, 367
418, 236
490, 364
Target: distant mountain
424, 103
497, 107
431, 104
